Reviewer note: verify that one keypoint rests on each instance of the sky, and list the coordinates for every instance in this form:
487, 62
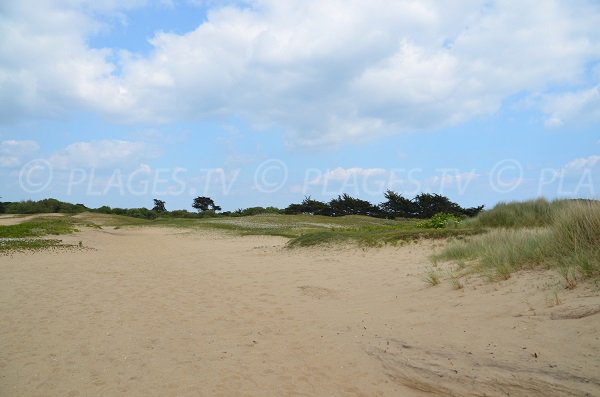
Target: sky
264, 102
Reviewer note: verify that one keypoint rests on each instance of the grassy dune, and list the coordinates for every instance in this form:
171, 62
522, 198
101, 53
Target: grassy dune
309, 230
30, 235
302, 230
38, 227
563, 235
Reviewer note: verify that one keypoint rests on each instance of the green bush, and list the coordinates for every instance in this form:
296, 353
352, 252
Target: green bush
440, 220
43, 207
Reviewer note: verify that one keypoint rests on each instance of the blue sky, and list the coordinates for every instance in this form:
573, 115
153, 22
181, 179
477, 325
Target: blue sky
261, 102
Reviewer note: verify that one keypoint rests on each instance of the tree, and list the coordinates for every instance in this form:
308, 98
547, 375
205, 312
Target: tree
309, 207
203, 204
347, 205
397, 206
430, 204
159, 206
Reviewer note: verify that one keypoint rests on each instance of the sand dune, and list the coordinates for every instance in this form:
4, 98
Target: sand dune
166, 312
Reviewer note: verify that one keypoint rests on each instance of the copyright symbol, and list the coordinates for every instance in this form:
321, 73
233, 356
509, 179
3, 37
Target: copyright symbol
270, 176
506, 176
35, 176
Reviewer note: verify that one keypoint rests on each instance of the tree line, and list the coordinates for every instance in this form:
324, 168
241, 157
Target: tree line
422, 206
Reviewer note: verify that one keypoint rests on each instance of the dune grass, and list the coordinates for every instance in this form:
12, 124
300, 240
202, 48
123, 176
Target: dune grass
38, 227
301, 230
532, 213
28, 236
29, 244
561, 235
377, 236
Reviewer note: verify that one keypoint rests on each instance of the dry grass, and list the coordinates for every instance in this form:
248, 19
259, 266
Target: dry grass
566, 237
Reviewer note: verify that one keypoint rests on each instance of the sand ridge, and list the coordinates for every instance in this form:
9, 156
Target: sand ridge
169, 312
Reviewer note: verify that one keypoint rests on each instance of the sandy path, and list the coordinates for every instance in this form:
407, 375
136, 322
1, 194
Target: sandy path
162, 312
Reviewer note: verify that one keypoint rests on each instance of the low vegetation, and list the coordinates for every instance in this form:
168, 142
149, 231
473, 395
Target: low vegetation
28, 235
23, 245
37, 228
563, 235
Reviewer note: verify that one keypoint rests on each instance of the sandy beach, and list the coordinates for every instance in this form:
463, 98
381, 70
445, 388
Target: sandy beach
170, 312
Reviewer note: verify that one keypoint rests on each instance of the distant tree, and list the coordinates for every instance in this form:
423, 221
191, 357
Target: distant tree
309, 207
397, 206
424, 205
253, 211
473, 211
347, 205
428, 205
203, 204
159, 206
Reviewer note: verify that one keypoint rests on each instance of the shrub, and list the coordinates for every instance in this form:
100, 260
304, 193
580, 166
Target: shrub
439, 221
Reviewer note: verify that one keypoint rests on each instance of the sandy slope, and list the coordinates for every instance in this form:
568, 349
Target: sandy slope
164, 312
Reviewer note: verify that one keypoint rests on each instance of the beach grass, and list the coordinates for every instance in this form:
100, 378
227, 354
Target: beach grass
30, 235
38, 227
563, 235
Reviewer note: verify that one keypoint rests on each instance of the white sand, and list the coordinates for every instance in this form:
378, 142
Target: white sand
164, 312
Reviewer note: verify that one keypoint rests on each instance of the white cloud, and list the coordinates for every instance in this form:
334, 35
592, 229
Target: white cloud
578, 106
324, 71
582, 163
345, 174
13, 153
102, 154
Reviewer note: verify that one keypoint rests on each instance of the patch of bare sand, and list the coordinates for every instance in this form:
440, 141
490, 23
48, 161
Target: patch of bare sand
164, 312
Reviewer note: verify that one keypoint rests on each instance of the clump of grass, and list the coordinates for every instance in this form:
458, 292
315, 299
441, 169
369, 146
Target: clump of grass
432, 277
500, 252
456, 283
569, 243
554, 299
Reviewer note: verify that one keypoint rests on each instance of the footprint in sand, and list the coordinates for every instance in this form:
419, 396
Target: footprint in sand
317, 292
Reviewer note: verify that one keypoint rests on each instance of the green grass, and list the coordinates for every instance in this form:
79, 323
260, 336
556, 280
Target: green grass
566, 238
26, 236
38, 227
377, 236
38, 244
301, 230
533, 213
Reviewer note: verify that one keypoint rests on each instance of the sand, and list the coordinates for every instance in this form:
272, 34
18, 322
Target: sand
168, 312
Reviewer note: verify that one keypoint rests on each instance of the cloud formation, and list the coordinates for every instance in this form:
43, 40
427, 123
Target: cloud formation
103, 154
323, 72
13, 153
